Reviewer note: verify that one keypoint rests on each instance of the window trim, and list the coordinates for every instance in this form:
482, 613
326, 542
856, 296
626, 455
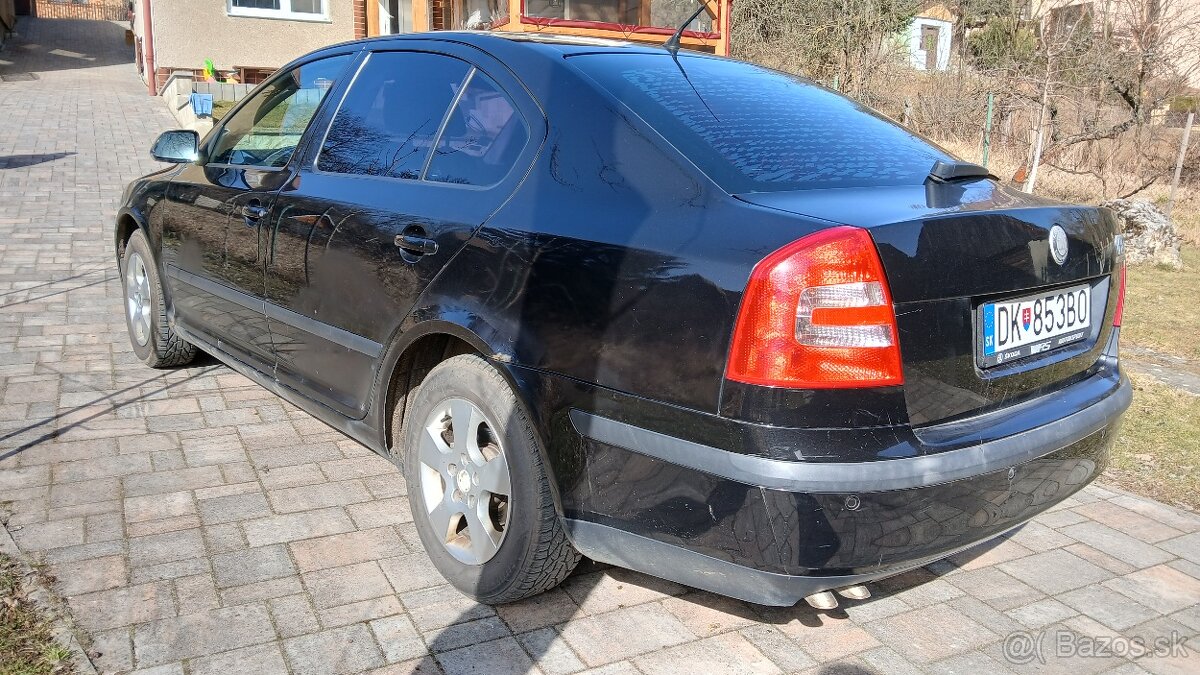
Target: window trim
314, 167
281, 13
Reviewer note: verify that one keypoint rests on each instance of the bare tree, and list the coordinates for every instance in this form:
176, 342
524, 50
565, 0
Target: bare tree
850, 40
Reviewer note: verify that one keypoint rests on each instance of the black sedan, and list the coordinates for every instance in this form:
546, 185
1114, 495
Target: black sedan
673, 312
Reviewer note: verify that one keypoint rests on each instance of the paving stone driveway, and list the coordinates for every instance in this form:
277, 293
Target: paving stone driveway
195, 523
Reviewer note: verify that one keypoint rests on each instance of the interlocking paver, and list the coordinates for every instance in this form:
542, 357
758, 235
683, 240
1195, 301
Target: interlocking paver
931, 635
346, 549
729, 653
266, 659
502, 657
251, 565
1163, 588
296, 526
201, 634
350, 649
88, 576
624, 633
197, 523
125, 606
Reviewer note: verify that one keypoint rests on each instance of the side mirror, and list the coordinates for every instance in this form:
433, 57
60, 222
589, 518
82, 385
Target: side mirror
176, 147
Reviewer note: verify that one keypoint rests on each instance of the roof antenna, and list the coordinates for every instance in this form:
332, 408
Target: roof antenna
672, 43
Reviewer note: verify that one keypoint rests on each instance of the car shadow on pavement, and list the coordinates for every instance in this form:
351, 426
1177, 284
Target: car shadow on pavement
23, 161
102, 405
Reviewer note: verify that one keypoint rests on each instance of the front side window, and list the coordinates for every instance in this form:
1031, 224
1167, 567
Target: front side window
265, 131
282, 9
390, 119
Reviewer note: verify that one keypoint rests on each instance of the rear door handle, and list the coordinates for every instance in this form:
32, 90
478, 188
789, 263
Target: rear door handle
417, 245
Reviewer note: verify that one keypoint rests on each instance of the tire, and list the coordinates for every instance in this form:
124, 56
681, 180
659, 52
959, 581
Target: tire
149, 333
531, 553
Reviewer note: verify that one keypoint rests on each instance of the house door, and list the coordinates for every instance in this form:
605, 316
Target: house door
395, 16
930, 36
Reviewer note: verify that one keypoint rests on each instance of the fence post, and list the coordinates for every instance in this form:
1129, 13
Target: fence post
1187, 131
987, 130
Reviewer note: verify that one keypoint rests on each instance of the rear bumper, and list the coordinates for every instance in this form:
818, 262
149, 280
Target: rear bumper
772, 531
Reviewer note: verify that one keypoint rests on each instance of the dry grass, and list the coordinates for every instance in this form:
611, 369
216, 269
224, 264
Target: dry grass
1087, 189
1161, 312
27, 646
1157, 453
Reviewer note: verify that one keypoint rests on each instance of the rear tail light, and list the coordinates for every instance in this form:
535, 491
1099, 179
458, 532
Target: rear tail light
817, 314
1120, 312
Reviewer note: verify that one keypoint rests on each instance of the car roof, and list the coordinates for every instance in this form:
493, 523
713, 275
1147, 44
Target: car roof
566, 44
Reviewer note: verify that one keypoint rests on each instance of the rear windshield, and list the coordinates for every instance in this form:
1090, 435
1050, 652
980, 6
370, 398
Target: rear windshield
757, 130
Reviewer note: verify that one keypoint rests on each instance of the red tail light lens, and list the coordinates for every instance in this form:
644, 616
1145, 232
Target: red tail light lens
1120, 312
817, 314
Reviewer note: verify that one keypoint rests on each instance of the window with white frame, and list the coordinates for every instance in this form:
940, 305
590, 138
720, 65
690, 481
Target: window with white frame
306, 10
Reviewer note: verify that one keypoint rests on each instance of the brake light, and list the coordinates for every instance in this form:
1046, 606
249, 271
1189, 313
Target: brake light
817, 314
1120, 312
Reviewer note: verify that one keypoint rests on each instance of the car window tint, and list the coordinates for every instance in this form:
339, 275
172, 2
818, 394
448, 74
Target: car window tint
267, 129
391, 115
484, 136
752, 129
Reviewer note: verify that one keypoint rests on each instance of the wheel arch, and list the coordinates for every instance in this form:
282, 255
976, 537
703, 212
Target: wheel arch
127, 224
422, 345
420, 348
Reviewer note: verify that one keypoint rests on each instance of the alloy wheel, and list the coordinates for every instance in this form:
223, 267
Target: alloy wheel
137, 298
465, 481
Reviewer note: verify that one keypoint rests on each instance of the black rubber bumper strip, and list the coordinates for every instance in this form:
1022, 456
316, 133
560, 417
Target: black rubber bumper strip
878, 476
625, 549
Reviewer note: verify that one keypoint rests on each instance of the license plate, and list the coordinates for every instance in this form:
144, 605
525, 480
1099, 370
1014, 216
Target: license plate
1014, 329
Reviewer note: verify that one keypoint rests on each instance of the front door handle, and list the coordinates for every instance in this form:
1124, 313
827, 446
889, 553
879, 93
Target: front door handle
254, 211
416, 245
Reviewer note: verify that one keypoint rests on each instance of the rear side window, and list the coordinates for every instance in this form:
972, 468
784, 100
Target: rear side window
484, 135
389, 120
752, 129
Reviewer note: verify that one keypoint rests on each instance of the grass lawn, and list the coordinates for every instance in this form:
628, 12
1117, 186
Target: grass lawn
26, 644
220, 108
1157, 453
1162, 308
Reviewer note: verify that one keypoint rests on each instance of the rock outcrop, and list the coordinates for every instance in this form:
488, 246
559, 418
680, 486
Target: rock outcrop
1150, 236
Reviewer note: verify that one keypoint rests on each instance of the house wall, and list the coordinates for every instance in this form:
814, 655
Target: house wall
187, 33
945, 35
111, 10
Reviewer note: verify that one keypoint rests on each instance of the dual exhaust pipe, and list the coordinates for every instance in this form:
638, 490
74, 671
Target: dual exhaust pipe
826, 600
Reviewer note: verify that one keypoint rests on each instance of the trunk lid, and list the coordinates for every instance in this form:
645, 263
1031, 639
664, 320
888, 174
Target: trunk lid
947, 249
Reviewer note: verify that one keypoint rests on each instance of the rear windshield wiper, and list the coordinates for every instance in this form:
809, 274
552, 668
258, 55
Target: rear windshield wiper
944, 172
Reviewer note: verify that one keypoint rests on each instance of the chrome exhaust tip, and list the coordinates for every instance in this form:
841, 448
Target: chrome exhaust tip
822, 600
858, 592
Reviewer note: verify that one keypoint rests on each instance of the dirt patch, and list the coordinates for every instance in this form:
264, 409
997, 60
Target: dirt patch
27, 643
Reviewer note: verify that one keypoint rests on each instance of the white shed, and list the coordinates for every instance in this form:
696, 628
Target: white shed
929, 43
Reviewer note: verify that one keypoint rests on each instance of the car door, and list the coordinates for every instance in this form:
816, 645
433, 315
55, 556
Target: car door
213, 241
426, 144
